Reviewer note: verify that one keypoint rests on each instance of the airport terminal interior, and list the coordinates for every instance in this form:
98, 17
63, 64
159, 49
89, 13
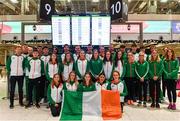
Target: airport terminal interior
107, 24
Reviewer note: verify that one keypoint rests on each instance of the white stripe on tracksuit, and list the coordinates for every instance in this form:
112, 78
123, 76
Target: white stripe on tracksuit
35, 68
16, 65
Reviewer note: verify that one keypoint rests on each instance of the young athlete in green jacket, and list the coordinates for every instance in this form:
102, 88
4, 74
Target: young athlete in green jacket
36, 69
72, 83
130, 78
54, 95
171, 68
108, 65
81, 66
52, 67
87, 84
142, 69
15, 68
96, 65
118, 85
155, 73
101, 83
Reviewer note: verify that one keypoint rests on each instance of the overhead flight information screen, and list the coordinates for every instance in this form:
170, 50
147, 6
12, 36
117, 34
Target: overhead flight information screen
61, 30
101, 30
80, 30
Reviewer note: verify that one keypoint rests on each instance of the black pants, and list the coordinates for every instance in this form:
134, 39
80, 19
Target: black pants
122, 105
143, 88
155, 90
34, 83
131, 83
55, 110
42, 86
13, 80
171, 90
164, 85
44, 83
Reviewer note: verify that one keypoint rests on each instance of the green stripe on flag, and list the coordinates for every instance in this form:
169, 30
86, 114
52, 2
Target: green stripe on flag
71, 106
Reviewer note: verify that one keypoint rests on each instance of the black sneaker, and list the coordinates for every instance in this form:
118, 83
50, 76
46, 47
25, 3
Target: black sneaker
21, 104
11, 106
152, 105
157, 105
37, 105
144, 104
139, 104
28, 105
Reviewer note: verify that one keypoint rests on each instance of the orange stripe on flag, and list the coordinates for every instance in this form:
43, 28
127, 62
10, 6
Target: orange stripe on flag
111, 109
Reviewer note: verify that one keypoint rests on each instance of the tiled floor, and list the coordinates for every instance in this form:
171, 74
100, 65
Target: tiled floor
130, 113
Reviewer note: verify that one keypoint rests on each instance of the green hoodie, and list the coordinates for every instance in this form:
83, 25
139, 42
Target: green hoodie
171, 68
142, 69
96, 67
129, 70
155, 69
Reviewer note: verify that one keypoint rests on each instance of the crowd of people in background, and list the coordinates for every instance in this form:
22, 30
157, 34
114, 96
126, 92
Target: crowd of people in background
135, 74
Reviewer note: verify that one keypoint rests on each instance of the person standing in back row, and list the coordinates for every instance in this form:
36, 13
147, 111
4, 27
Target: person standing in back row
44, 81
108, 65
15, 67
81, 66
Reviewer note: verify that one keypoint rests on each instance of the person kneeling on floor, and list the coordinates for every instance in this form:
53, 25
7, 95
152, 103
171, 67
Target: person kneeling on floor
55, 95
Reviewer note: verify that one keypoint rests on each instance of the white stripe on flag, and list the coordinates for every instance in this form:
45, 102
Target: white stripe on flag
92, 106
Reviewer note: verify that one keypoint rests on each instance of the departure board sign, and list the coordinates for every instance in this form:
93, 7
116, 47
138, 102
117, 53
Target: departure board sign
80, 30
101, 30
61, 30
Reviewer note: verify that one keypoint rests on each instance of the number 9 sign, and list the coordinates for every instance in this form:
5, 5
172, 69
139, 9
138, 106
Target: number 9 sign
47, 8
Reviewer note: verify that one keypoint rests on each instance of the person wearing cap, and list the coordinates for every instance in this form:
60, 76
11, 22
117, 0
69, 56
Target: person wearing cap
36, 69
15, 68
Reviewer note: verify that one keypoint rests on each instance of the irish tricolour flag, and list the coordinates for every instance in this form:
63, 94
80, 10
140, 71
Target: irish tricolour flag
91, 106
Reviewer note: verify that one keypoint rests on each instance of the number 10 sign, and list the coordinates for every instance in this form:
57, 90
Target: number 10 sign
117, 9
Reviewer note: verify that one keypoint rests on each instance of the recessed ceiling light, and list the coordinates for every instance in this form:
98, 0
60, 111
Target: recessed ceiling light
14, 1
95, 0
163, 1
